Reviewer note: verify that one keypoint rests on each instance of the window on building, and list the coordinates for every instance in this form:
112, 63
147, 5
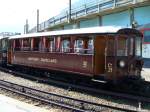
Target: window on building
147, 36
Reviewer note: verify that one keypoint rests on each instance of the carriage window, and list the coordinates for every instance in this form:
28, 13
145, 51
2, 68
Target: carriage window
26, 44
17, 44
90, 46
131, 46
138, 46
147, 36
122, 46
65, 46
37, 44
51, 45
57, 41
4, 44
110, 47
78, 46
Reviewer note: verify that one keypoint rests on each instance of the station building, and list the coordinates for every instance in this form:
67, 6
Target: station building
91, 13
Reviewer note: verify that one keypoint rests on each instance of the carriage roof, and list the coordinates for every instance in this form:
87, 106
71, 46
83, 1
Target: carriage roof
1, 37
92, 30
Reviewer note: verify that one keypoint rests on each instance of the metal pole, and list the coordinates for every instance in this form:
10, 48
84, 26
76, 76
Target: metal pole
27, 26
69, 11
114, 3
24, 29
37, 20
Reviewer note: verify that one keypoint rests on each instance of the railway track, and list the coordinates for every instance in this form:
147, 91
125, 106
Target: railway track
57, 100
139, 99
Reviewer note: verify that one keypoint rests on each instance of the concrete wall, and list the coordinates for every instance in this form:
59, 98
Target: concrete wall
71, 26
89, 22
117, 19
142, 15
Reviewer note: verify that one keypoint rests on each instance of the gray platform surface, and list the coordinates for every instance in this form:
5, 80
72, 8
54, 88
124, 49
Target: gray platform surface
11, 105
146, 74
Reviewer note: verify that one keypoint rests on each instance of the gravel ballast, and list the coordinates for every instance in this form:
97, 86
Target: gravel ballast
61, 91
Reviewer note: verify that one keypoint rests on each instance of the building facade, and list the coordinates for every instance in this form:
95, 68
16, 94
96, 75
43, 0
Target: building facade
91, 13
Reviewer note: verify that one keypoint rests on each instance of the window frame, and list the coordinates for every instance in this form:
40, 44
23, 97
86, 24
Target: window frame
125, 48
78, 49
90, 50
52, 46
15, 46
85, 45
26, 46
66, 49
35, 42
109, 46
140, 49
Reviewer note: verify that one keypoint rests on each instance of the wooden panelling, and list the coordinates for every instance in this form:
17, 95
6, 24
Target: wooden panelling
76, 63
100, 43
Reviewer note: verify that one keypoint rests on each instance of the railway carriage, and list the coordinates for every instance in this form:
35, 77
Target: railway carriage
101, 53
3, 50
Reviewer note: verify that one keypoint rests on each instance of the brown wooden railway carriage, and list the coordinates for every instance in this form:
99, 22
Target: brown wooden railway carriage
1, 53
108, 52
3, 50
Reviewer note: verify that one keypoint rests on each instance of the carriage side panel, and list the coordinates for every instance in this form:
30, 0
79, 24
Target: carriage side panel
74, 63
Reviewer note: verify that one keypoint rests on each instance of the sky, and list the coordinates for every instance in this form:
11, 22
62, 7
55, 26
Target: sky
13, 13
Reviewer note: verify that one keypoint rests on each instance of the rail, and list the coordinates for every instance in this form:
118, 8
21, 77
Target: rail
139, 99
57, 100
92, 7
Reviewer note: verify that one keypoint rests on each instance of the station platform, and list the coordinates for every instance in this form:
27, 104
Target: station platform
11, 105
146, 63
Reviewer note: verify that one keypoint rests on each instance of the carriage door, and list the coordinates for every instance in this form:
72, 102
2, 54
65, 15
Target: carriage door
110, 58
